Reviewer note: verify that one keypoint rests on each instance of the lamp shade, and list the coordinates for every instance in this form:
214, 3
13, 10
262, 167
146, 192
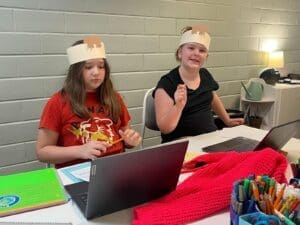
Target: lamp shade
276, 59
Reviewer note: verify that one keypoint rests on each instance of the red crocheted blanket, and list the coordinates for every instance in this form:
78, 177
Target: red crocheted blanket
208, 189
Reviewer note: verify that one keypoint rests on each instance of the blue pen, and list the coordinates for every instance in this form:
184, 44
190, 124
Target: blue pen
266, 179
236, 190
251, 207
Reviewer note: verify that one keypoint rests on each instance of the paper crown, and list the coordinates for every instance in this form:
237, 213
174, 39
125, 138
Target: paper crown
91, 48
198, 34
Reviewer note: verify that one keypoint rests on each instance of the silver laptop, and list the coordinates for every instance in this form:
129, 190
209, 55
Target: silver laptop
127, 179
276, 138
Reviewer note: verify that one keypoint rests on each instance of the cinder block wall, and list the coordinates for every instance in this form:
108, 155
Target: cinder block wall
141, 37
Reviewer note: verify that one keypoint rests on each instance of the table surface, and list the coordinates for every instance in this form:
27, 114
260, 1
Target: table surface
70, 213
286, 86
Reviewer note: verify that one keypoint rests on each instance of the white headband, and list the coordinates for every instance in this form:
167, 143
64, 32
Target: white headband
197, 35
92, 48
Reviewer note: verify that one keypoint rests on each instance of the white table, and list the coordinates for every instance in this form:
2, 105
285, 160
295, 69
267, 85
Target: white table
70, 213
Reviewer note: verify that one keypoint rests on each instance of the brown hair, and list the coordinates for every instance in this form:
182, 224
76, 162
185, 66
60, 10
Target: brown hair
183, 30
74, 89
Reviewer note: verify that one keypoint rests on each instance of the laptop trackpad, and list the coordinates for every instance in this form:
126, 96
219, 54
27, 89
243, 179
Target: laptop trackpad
78, 193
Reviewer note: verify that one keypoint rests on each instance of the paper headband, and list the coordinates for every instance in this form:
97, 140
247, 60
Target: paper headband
198, 35
91, 48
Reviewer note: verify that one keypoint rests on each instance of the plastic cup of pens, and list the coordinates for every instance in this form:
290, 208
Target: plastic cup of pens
242, 200
260, 200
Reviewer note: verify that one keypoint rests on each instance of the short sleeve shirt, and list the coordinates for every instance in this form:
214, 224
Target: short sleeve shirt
197, 117
73, 130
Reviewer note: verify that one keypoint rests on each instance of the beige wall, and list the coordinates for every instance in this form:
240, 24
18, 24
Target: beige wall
141, 37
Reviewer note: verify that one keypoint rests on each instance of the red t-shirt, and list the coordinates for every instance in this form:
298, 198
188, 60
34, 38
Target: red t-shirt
73, 130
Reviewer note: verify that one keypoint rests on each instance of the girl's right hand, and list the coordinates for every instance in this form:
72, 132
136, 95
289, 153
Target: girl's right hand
180, 95
93, 149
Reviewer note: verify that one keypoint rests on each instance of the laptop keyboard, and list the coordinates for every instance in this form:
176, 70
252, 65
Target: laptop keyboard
240, 144
81, 200
83, 197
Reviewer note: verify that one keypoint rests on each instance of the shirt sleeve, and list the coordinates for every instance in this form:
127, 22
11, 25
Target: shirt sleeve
169, 82
51, 115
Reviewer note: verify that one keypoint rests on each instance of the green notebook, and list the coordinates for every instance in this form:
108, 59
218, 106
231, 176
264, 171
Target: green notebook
30, 190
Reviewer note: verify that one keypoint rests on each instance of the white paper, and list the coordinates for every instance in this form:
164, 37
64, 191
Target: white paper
77, 173
82, 173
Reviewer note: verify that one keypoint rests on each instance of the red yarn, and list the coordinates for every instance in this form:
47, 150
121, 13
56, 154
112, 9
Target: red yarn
208, 189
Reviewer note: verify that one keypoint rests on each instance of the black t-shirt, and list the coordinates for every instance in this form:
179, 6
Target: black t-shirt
196, 117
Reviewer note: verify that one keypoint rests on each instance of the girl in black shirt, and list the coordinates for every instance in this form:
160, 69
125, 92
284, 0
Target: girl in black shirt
185, 97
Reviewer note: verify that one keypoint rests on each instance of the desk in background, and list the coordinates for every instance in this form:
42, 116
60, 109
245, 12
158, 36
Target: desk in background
71, 213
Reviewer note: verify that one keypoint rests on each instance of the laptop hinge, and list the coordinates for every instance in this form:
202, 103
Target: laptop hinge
93, 170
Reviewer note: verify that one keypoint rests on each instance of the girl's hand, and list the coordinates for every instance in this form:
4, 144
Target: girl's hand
234, 122
93, 149
130, 137
180, 96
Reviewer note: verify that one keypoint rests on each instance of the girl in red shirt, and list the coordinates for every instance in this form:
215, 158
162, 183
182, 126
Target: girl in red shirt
87, 118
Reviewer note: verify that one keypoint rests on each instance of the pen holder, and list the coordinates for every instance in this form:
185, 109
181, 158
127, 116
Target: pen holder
258, 218
248, 207
234, 217
265, 202
244, 197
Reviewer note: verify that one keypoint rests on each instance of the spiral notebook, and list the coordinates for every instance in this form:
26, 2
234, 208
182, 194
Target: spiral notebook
28, 191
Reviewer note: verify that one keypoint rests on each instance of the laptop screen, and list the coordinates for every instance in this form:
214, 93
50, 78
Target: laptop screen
127, 179
278, 136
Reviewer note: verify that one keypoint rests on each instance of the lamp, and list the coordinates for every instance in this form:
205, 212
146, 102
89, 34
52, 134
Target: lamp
276, 61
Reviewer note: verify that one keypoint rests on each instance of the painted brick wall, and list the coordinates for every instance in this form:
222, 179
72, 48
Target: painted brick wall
141, 37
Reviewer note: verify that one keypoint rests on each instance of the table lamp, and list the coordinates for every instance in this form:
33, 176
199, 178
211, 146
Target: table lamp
276, 59
271, 74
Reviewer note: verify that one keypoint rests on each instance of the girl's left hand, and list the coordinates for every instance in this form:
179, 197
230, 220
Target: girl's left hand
234, 122
130, 137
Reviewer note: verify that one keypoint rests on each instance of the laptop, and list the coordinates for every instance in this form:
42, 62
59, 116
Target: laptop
127, 179
276, 138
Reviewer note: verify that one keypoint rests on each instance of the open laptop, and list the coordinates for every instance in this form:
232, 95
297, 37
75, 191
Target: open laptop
127, 179
276, 138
